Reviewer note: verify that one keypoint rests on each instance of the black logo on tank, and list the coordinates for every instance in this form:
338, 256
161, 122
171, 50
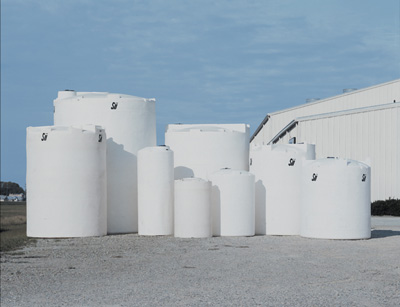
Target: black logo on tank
363, 177
314, 177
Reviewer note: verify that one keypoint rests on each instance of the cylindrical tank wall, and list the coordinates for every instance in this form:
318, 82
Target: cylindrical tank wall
233, 203
130, 123
336, 202
201, 150
156, 191
66, 181
277, 170
192, 209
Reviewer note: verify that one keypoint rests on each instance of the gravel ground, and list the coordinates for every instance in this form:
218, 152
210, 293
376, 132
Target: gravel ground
132, 270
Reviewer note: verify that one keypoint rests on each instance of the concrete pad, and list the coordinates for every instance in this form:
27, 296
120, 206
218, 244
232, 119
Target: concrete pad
385, 221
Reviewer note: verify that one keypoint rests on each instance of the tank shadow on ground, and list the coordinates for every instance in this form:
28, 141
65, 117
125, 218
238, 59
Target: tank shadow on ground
375, 234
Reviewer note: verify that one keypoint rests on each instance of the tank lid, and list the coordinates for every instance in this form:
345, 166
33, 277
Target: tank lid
242, 128
159, 148
292, 148
66, 94
231, 172
335, 161
192, 181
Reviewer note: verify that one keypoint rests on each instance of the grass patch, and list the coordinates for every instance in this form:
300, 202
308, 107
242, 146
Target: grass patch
13, 226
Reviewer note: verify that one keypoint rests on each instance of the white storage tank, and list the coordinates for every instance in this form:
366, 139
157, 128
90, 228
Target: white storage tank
201, 150
336, 202
233, 203
156, 191
66, 181
277, 170
192, 209
130, 123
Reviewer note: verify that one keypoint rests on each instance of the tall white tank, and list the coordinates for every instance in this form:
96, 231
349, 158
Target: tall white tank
233, 206
66, 181
201, 150
130, 123
192, 209
156, 191
336, 202
277, 170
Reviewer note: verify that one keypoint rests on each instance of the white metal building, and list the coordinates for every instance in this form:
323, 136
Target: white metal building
363, 125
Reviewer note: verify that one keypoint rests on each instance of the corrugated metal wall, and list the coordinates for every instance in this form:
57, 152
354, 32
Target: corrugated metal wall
372, 135
375, 95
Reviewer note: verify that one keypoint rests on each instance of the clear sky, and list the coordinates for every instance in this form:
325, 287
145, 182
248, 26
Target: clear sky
203, 61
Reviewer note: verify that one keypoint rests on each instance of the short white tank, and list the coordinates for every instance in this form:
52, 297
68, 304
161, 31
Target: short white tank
336, 202
156, 191
277, 170
192, 209
233, 206
130, 123
201, 150
66, 181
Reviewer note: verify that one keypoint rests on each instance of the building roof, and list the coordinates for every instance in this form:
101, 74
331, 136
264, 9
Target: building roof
265, 120
295, 121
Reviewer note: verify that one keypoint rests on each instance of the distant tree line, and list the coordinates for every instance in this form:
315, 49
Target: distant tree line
386, 207
7, 188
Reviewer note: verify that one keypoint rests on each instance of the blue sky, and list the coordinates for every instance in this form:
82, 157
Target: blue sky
203, 61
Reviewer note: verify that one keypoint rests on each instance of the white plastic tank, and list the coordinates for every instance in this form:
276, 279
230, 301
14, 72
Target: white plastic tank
336, 202
201, 150
277, 170
233, 206
192, 209
66, 181
156, 191
130, 123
